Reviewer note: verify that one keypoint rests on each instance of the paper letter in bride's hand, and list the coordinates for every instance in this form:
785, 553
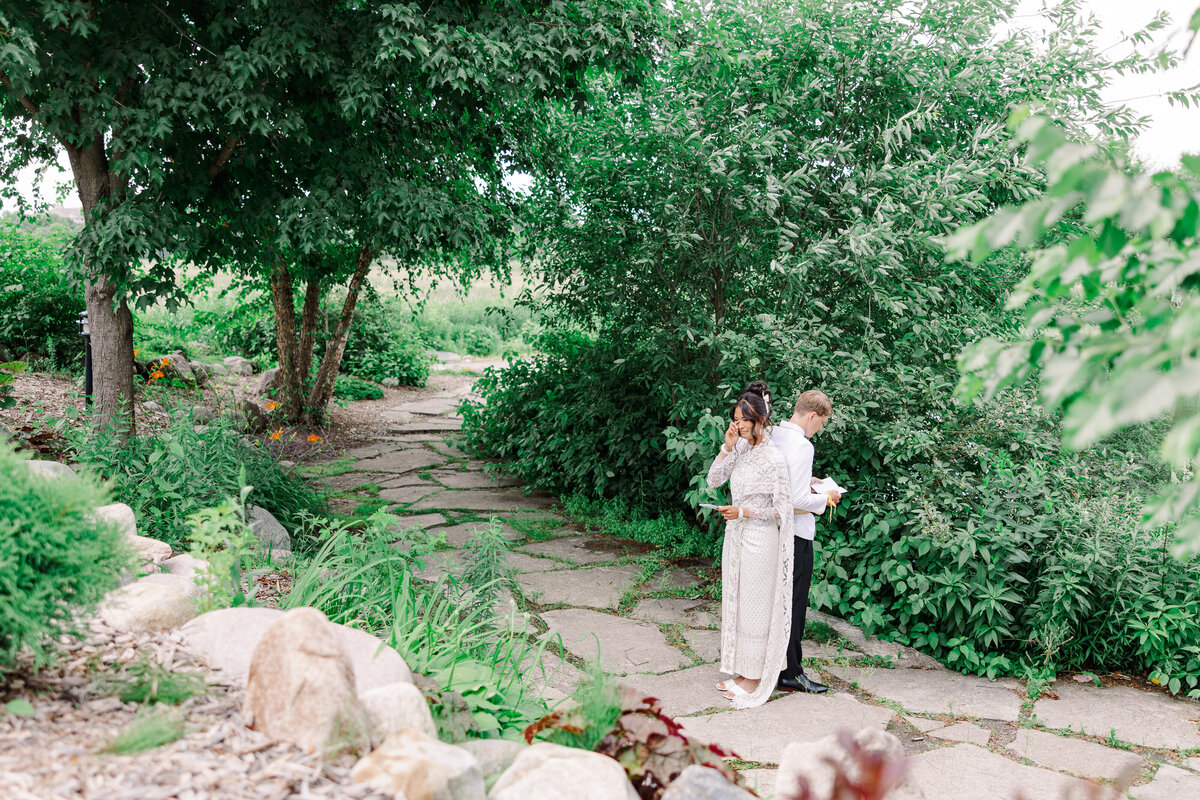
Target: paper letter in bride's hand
828, 485
708, 505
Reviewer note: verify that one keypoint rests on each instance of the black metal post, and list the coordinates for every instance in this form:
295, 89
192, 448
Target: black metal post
86, 333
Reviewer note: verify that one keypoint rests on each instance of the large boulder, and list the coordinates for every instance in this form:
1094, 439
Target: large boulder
185, 585
494, 755
415, 766
813, 762
185, 566
397, 707
704, 783
300, 687
553, 772
227, 637
120, 515
218, 369
177, 365
148, 549
146, 606
268, 382
239, 366
50, 469
270, 533
250, 417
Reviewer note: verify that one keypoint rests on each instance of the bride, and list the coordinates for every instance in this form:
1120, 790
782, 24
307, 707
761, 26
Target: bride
756, 558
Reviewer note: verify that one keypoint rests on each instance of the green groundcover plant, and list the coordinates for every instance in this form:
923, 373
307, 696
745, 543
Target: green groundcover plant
185, 468
347, 387
56, 560
40, 302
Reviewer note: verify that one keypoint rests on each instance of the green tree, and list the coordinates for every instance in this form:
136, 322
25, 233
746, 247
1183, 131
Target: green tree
293, 122
1111, 310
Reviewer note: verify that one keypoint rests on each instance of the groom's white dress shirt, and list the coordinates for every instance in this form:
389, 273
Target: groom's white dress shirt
798, 453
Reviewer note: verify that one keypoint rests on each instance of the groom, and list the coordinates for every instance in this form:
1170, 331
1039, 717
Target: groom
792, 438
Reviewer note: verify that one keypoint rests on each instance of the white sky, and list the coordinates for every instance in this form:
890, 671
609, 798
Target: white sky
1174, 130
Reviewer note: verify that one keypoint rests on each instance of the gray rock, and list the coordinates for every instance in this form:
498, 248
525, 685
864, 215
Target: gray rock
50, 469
390, 383
146, 606
203, 415
966, 771
703, 783
396, 707
706, 644
178, 366
121, 516
185, 566
939, 692
446, 356
153, 407
226, 638
552, 772
582, 549
1079, 757
271, 534
183, 584
812, 764
625, 645
268, 382
218, 369
300, 687
963, 732
250, 417
494, 755
413, 766
488, 500
239, 366
1141, 718
406, 460
1170, 783
760, 734
148, 549
591, 587
902, 656
683, 692
201, 372
694, 613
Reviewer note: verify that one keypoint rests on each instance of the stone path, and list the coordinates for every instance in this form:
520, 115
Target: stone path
594, 597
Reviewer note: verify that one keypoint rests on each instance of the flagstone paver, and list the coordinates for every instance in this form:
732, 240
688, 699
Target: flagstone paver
435, 406
924, 725
706, 644
457, 479
963, 732
1193, 764
427, 425
1077, 756
551, 676
1170, 783
941, 692
523, 563
684, 691
457, 535
671, 579
760, 734
625, 645
419, 521
590, 587
694, 613
761, 780
401, 460
407, 495
487, 500
1142, 718
825, 651
966, 771
583, 549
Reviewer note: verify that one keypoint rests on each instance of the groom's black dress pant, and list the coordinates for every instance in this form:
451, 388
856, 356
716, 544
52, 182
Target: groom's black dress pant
802, 571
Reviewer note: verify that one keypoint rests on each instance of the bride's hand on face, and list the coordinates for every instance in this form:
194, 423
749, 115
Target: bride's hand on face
732, 434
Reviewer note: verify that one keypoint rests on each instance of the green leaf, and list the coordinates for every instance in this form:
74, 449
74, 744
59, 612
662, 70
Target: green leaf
20, 708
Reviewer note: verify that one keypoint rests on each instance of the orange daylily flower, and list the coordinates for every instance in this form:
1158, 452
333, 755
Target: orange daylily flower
271, 406
314, 438
158, 373
277, 434
166, 362
136, 350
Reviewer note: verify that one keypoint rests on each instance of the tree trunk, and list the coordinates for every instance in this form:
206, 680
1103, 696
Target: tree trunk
291, 394
331, 362
308, 328
109, 318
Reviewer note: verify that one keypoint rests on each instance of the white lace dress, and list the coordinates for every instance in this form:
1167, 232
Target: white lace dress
756, 567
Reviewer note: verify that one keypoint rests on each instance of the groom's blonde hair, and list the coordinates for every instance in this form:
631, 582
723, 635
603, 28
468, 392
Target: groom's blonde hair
814, 400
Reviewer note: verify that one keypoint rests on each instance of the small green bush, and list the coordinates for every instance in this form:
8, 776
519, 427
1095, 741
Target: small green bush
168, 477
41, 304
57, 562
348, 387
382, 346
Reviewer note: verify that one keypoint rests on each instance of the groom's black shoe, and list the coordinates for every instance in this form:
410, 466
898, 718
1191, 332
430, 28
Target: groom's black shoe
800, 683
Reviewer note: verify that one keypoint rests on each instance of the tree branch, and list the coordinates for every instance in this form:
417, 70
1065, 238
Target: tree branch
29, 105
223, 157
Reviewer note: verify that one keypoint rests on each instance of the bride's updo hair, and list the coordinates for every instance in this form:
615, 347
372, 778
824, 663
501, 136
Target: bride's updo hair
755, 404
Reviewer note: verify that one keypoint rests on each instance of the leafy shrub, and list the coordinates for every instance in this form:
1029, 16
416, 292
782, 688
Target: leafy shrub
57, 560
222, 537
486, 569
570, 420
481, 324
169, 476
41, 304
9, 371
347, 387
383, 346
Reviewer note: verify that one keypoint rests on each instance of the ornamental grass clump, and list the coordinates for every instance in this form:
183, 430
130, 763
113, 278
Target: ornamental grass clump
56, 560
